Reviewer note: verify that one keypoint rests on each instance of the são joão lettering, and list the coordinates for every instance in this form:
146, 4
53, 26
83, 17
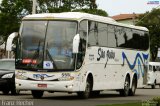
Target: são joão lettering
102, 54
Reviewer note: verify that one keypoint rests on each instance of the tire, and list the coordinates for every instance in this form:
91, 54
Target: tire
5, 92
15, 92
95, 93
154, 85
133, 87
125, 91
37, 94
85, 94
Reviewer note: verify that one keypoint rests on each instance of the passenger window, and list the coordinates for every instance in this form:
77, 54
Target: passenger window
154, 68
150, 67
111, 36
157, 68
102, 34
140, 40
92, 33
121, 36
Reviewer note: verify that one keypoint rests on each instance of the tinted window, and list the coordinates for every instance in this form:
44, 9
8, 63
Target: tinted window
111, 36
130, 38
102, 34
92, 33
120, 36
150, 67
140, 40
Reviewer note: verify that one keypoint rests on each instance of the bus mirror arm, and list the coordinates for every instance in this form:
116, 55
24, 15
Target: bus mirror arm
76, 41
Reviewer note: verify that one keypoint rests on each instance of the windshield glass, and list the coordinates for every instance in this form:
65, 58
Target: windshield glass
7, 65
46, 45
59, 44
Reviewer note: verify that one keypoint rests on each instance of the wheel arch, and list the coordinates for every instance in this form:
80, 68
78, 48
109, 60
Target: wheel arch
90, 76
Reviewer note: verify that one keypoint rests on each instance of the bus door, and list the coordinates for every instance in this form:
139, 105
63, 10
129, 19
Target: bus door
82, 48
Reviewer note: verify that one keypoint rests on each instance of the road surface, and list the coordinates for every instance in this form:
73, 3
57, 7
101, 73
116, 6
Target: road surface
65, 99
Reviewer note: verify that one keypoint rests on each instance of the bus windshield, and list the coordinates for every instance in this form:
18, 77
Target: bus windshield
46, 45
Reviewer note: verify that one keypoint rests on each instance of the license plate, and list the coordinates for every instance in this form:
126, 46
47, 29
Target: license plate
42, 85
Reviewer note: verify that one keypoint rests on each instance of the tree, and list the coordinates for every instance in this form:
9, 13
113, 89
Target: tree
93, 11
11, 14
12, 11
56, 6
151, 20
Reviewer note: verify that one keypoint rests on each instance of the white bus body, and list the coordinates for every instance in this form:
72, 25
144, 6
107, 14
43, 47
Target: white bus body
111, 55
154, 74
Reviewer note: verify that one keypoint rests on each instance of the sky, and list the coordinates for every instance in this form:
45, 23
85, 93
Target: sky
115, 7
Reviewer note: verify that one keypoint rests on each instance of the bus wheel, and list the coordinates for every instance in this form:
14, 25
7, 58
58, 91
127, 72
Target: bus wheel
15, 92
125, 91
95, 93
154, 85
86, 93
37, 94
5, 92
133, 88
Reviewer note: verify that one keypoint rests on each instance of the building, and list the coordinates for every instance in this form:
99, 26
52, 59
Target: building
126, 18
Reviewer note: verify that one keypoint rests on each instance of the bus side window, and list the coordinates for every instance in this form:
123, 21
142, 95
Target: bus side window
92, 33
150, 67
111, 36
157, 68
154, 68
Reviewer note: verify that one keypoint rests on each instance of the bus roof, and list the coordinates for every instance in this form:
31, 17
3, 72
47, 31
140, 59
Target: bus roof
154, 63
80, 16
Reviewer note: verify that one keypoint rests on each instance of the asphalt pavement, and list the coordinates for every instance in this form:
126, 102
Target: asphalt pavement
64, 99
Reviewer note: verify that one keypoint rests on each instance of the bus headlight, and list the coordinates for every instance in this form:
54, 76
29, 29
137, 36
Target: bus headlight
21, 77
69, 78
10, 75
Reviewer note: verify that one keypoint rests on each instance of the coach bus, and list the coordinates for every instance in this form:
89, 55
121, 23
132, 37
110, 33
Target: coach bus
154, 74
80, 53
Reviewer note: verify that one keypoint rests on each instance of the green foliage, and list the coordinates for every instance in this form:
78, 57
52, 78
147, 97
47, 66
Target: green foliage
92, 11
126, 104
157, 100
151, 20
11, 13
49, 6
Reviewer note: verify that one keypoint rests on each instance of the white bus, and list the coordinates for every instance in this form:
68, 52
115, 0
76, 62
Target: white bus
80, 53
154, 74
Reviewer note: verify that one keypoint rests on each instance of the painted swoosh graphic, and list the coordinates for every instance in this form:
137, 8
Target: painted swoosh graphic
141, 59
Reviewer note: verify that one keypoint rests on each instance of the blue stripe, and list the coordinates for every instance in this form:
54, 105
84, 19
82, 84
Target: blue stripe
140, 60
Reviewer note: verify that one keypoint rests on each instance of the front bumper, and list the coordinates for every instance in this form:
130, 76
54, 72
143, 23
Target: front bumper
59, 86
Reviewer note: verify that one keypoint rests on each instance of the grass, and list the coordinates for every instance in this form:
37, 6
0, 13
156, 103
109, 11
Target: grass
127, 104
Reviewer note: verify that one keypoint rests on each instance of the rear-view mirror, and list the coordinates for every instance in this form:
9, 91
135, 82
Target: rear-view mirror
76, 41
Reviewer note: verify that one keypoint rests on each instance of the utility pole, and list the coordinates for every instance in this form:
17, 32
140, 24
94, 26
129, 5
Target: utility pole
134, 18
34, 6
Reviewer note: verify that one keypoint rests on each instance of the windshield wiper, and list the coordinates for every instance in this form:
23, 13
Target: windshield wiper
36, 54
